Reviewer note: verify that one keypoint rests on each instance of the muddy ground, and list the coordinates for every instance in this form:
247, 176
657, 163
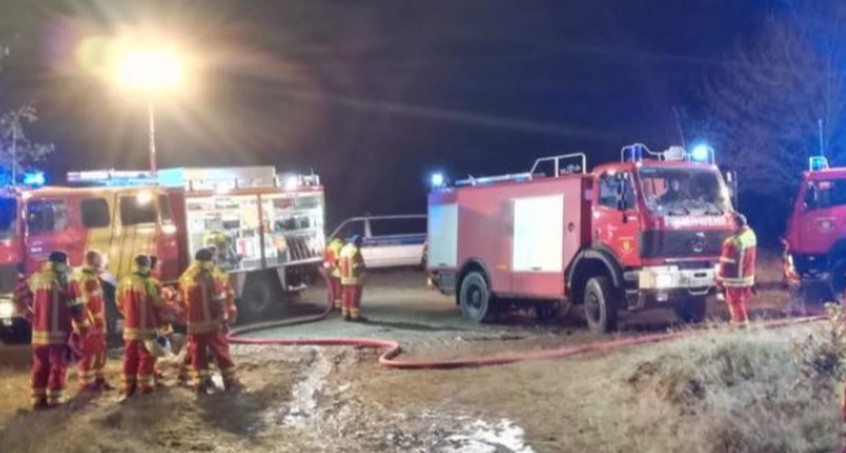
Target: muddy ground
340, 400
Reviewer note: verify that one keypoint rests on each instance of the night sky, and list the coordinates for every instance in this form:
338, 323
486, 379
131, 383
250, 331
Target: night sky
373, 94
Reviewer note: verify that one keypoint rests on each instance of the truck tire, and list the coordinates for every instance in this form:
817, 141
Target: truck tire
692, 310
475, 298
601, 303
261, 297
837, 279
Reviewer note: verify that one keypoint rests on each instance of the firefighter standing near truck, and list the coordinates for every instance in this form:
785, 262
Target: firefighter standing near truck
207, 313
92, 366
57, 313
144, 313
352, 280
737, 270
331, 260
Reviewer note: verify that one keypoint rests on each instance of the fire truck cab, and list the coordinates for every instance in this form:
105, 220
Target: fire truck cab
643, 232
268, 228
816, 230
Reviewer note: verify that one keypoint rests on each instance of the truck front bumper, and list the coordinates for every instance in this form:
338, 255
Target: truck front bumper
660, 284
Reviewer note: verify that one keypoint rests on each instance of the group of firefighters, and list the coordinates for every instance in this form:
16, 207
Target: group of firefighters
68, 317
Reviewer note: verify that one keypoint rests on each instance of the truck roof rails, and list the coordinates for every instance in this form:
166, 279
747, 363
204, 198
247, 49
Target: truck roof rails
556, 161
700, 154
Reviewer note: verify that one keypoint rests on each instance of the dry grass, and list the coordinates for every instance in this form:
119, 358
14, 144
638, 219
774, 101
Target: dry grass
759, 391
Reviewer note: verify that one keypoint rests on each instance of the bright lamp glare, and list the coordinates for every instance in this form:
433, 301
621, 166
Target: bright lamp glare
34, 179
144, 197
700, 153
150, 70
437, 179
290, 183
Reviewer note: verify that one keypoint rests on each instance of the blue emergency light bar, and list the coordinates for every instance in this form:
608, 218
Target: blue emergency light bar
34, 179
817, 163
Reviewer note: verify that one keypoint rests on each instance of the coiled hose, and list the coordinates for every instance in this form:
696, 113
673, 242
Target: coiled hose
392, 349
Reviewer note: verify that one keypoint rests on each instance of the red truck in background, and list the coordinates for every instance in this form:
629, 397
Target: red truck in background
643, 232
816, 230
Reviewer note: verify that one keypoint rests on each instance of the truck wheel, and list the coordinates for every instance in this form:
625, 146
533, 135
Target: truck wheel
692, 310
261, 296
837, 279
601, 303
475, 298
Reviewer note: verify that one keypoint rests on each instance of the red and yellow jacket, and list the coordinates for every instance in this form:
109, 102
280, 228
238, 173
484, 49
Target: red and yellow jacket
331, 258
204, 297
351, 265
141, 306
737, 260
56, 306
92, 296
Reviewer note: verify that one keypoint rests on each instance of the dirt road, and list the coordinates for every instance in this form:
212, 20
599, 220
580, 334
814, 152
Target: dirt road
340, 400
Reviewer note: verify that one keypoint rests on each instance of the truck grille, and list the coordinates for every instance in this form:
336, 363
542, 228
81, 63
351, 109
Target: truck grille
681, 244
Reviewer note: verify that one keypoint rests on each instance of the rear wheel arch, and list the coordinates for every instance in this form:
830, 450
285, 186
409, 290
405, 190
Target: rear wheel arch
590, 263
471, 265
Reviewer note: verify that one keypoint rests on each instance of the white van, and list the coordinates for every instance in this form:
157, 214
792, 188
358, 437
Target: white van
387, 241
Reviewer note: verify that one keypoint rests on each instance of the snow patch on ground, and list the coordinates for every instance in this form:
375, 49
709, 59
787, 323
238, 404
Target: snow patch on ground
480, 436
304, 401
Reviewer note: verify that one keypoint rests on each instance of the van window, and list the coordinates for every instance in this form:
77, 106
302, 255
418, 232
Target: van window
136, 210
95, 213
350, 229
398, 226
46, 215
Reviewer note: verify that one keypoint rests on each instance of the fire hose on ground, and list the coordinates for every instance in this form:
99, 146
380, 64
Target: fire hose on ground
392, 349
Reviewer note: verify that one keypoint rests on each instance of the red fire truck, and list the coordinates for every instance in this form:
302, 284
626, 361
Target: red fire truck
816, 231
639, 233
268, 227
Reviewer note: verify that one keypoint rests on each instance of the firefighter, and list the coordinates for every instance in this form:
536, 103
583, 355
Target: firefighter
155, 286
331, 267
92, 366
57, 313
352, 280
143, 311
207, 313
737, 269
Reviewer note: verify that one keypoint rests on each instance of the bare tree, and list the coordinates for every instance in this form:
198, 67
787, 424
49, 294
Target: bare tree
764, 109
18, 152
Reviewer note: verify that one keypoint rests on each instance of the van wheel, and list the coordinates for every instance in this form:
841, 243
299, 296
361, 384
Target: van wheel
601, 303
475, 298
691, 310
261, 297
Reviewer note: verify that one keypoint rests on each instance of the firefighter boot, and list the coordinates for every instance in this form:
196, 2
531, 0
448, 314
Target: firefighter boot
40, 404
101, 385
206, 387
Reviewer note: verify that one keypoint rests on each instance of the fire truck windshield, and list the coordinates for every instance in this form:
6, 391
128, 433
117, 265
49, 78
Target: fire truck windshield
683, 191
8, 214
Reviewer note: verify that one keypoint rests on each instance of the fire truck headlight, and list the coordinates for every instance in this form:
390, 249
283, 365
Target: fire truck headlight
701, 153
7, 309
437, 179
663, 281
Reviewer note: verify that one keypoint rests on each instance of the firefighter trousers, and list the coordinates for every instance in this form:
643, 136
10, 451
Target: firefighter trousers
93, 364
351, 300
49, 373
335, 290
201, 345
737, 299
137, 368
